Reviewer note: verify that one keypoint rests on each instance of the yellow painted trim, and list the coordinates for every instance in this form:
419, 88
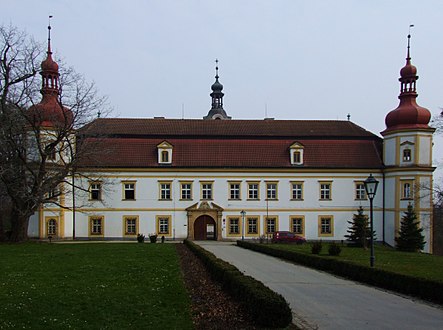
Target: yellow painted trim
40, 222
331, 217
291, 224
397, 150
417, 150
397, 207
157, 221
124, 225
247, 219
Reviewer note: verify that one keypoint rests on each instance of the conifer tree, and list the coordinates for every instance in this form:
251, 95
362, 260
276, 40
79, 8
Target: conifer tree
410, 236
359, 231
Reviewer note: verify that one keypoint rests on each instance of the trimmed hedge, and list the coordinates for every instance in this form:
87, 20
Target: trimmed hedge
406, 284
267, 308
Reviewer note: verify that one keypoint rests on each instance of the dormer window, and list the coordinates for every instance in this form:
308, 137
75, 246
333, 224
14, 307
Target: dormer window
296, 153
164, 153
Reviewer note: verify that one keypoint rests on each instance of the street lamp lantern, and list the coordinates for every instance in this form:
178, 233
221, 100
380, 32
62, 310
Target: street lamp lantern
371, 185
243, 213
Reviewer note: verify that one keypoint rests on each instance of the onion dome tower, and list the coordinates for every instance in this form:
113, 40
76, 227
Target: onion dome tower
408, 114
217, 111
49, 112
407, 156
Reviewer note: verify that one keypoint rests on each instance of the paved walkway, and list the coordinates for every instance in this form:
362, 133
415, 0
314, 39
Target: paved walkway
323, 301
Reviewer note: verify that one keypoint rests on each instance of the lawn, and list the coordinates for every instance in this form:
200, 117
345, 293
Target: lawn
107, 286
416, 264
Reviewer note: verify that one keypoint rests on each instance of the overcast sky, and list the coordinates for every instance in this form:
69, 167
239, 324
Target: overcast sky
287, 59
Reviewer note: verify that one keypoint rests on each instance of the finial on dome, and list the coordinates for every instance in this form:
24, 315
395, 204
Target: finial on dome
49, 34
216, 68
408, 56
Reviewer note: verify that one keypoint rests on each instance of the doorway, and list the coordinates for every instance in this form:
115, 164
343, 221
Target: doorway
205, 228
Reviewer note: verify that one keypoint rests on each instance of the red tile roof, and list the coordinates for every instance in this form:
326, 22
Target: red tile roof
132, 143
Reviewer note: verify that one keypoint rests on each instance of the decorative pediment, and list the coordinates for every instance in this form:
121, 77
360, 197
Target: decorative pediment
204, 206
164, 145
407, 143
297, 145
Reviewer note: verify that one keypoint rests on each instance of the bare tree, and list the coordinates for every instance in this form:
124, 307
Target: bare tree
38, 145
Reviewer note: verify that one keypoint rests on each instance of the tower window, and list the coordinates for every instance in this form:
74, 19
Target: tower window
407, 155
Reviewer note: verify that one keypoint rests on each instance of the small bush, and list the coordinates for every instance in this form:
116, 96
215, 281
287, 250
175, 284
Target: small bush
334, 249
316, 247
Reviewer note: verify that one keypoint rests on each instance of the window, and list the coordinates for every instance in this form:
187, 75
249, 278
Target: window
271, 225
164, 225
325, 226
186, 191
128, 191
131, 225
53, 194
407, 155
325, 190
206, 190
296, 150
253, 190
52, 155
360, 191
407, 191
297, 190
234, 190
95, 191
234, 226
51, 227
252, 223
297, 225
164, 152
165, 191
165, 156
271, 190
96, 226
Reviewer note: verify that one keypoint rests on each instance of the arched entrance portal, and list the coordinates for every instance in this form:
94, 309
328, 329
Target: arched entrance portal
205, 228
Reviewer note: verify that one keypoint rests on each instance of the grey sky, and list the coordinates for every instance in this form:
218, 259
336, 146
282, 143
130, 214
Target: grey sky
300, 59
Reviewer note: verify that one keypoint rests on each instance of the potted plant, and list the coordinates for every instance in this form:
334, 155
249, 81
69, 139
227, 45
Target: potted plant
153, 238
140, 238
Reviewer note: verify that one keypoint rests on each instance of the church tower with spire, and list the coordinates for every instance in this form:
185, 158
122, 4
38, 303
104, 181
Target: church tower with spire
407, 156
217, 111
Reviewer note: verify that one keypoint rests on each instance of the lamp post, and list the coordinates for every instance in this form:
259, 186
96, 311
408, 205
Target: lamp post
243, 213
371, 185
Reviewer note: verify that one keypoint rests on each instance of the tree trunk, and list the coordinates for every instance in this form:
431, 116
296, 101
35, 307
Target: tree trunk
19, 226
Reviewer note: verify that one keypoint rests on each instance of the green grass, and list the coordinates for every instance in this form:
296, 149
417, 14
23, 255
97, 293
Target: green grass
106, 286
416, 264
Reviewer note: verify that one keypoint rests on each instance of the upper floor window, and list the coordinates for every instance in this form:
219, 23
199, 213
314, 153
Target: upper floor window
234, 190
164, 153
128, 190
325, 190
186, 190
360, 191
407, 190
271, 190
95, 191
407, 156
206, 190
297, 190
51, 227
296, 153
165, 190
253, 190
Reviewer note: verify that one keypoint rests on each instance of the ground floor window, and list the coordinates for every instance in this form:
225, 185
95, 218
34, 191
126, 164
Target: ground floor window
271, 225
325, 226
96, 226
51, 227
297, 225
164, 225
234, 226
131, 225
252, 225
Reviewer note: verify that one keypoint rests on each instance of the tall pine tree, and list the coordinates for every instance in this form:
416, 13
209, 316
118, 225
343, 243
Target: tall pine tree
359, 231
410, 236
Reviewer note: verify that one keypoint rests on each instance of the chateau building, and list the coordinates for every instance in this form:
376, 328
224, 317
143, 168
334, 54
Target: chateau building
222, 178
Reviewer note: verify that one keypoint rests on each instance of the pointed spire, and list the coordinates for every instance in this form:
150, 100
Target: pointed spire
49, 35
217, 111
